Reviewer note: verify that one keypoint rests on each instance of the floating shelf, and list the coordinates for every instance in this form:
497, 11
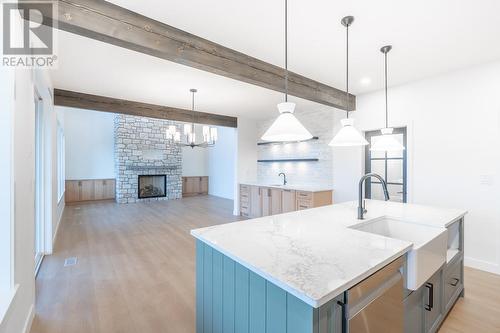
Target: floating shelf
281, 143
290, 160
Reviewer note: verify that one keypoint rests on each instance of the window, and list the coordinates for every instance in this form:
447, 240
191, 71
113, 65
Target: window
60, 162
390, 165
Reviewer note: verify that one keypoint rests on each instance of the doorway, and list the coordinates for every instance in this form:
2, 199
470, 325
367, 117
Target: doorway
392, 166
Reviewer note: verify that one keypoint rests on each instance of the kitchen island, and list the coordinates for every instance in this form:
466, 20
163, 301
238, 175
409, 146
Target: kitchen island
293, 272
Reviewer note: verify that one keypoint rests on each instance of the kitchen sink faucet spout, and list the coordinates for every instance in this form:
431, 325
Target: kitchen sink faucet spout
284, 177
361, 206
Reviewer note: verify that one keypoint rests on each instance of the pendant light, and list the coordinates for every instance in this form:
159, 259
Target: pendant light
348, 135
387, 141
286, 127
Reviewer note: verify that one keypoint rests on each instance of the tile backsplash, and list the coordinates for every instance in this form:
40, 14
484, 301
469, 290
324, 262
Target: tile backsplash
319, 123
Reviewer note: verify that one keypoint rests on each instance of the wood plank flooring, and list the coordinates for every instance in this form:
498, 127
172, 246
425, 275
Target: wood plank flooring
479, 310
136, 264
135, 271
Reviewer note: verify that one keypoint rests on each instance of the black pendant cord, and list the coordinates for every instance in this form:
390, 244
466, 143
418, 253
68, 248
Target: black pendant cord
286, 50
192, 109
347, 72
386, 112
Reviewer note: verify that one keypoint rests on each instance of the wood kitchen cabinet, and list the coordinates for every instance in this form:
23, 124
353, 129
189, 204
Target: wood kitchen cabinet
275, 201
194, 186
265, 194
271, 201
288, 201
255, 202
258, 201
89, 190
426, 308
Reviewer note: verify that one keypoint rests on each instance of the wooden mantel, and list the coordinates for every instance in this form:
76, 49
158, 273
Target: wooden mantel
116, 25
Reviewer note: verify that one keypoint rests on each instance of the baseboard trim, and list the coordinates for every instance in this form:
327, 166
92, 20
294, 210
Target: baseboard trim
29, 319
482, 265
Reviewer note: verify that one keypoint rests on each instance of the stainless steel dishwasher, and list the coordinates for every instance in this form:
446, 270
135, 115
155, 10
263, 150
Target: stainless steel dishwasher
375, 305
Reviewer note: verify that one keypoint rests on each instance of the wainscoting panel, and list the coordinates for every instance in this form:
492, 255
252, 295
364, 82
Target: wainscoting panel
232, 299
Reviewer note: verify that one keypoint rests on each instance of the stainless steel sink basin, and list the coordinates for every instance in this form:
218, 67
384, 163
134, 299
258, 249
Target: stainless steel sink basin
428, 253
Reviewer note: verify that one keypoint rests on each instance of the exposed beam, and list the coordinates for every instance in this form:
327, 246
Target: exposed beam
114, 105
116, 25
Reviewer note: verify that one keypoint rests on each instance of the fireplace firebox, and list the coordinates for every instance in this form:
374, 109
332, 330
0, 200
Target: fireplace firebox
152, 186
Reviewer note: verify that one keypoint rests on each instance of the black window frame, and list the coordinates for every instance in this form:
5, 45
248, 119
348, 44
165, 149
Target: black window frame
368, 159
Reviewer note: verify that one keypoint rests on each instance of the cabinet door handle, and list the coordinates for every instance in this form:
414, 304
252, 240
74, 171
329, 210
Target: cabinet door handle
454, 282
343, 308
79, 183
430, 288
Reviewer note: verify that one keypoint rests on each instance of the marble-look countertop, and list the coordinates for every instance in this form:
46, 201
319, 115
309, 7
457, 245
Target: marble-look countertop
297, 187
312, 254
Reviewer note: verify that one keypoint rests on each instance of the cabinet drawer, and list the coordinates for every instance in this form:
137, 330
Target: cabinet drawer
303, 204
453, 282
244, 208
244, 189
304, 195
244, 197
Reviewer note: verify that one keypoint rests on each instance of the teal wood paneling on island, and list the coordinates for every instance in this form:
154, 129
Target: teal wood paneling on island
232, 299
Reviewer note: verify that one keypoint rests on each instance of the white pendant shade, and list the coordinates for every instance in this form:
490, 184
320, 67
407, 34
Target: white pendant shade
286, 127
387, 142
348, 136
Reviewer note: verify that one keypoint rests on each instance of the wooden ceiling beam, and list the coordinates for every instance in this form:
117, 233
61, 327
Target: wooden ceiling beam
116, 25
114, 105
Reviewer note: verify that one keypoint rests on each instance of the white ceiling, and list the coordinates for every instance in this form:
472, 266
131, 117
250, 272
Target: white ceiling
429, 37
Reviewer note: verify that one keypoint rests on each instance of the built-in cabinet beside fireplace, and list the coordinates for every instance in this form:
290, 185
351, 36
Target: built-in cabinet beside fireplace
79, 190
194, 186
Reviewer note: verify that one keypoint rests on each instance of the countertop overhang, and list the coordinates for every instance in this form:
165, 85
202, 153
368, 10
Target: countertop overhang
296, 187
313, 254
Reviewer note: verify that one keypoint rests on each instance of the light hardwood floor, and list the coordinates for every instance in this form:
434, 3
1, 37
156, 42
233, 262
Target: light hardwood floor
135, 272
479, 310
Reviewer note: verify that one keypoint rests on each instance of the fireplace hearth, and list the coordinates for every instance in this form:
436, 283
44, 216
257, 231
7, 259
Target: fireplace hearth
152, 186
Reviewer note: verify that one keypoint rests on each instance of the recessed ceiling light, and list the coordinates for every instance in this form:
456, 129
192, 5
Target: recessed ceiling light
366, 81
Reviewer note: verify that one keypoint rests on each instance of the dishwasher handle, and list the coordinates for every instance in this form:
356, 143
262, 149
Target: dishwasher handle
430, 288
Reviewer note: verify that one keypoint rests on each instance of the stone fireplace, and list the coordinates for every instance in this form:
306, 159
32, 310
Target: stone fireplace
145, 160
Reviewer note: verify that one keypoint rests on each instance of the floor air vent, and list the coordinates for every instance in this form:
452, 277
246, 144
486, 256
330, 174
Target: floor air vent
70, 261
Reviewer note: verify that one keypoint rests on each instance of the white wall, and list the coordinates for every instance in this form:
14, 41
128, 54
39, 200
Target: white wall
20, 312
453, 156
246, 162
222, 164
195, 160
89, 144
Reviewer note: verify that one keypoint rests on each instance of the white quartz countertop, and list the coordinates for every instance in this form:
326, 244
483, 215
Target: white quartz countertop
312, 254
297, 187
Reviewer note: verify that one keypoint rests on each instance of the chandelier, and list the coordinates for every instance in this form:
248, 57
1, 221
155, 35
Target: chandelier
188, 139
